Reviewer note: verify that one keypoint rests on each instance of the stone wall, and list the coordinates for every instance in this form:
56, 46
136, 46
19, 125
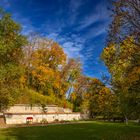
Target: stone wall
37, 118
20, 108
25, 108
18, 114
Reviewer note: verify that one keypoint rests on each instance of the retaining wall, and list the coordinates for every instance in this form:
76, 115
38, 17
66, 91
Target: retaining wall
37, 118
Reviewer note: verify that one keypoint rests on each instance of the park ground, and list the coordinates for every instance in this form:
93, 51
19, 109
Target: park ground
78, 131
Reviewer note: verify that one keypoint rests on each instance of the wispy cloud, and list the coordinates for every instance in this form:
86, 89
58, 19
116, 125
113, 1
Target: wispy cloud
77, 44
95, 31
75, 30
53, 36
72, 50
99, 13
73, 10
72, 45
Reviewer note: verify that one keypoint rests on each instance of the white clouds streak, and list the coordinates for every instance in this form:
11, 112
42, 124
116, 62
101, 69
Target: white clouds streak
99, 14
69, 25
72, 45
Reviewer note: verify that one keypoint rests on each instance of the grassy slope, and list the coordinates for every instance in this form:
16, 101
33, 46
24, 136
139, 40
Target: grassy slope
83, 131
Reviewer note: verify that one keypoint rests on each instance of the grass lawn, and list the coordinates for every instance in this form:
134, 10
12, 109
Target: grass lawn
82, 131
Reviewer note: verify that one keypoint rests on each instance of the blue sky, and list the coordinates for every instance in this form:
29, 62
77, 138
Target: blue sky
79, 26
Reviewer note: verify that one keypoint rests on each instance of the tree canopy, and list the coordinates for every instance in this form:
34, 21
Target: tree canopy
122, 55
11, 42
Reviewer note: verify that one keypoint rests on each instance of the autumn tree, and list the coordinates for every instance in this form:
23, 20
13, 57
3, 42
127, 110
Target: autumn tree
100, 98
91, 96
125, 73
125, 21
77, 97
44, 64
122, 55
11, 42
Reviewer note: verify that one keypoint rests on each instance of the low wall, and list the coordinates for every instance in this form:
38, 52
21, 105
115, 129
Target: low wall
37, 118
27, 108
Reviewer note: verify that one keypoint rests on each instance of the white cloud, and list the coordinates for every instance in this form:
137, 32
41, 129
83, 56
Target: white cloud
73, 10
72, 50
53, 36
73, 42
100, 13
95, 32
72, 45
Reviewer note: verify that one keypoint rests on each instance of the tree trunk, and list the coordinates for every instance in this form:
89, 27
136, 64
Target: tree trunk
126, 120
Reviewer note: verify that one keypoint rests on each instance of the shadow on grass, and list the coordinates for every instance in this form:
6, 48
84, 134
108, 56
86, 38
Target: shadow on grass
83, 131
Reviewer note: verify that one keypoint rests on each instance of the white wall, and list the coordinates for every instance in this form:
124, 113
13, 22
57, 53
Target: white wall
24, 108
37, 118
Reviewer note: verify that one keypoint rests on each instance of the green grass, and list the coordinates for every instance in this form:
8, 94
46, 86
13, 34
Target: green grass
82, 131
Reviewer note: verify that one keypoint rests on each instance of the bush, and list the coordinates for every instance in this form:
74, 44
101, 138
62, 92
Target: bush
44, 121
56, 120
74, 120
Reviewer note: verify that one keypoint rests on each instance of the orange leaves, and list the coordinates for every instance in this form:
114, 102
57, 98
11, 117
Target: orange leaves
22, 81
118, 58
87, 96
45, 59
73, 96
96, 81
133, 76
56, 85
108, 55
57, 56
42, 74
51, 56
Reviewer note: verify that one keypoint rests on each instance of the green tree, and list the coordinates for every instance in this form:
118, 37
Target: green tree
11, 70
125, 74
122, 55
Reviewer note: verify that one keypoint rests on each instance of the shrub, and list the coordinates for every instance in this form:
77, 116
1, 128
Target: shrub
44, 121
